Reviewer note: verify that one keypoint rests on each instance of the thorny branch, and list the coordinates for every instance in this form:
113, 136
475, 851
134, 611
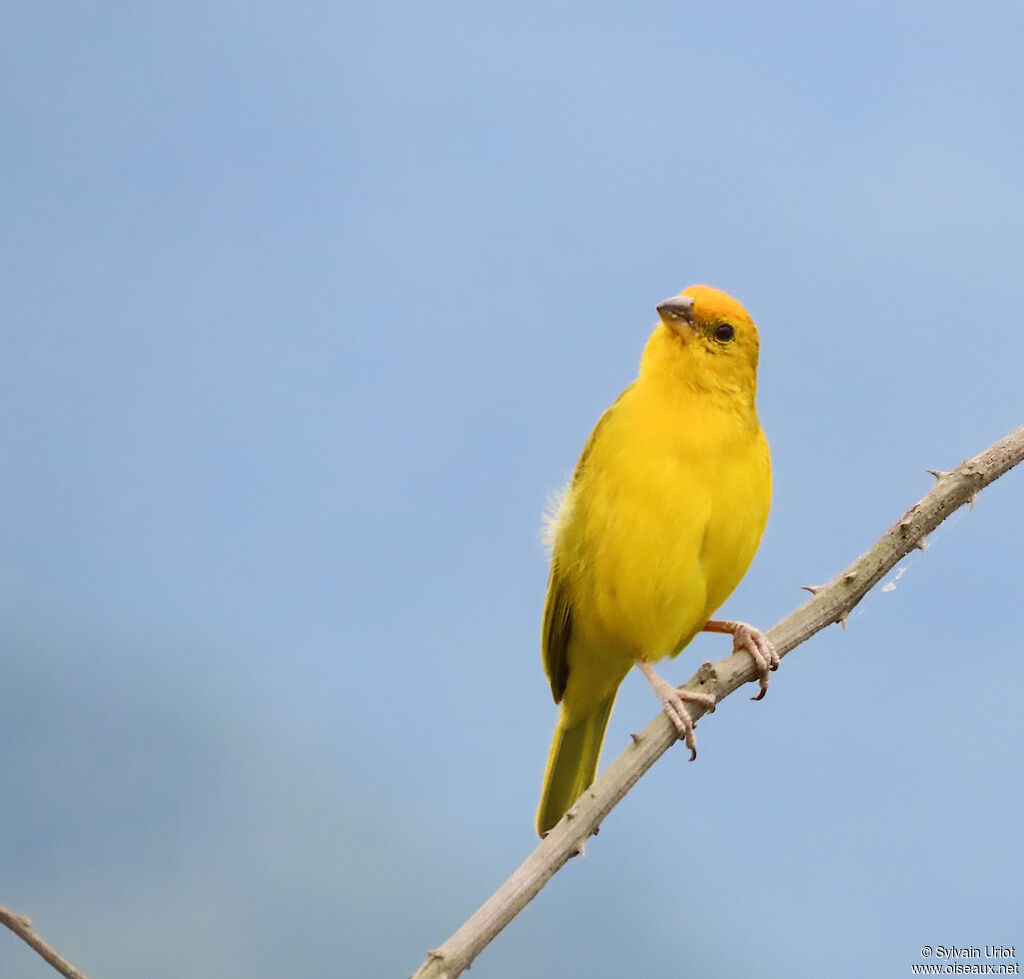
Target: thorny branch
829, 604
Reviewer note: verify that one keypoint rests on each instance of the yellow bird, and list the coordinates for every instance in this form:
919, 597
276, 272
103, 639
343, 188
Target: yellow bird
657, 527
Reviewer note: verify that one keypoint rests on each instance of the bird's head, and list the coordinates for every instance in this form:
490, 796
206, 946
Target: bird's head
705, 341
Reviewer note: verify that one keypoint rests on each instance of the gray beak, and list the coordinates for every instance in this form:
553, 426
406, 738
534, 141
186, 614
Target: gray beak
677, 314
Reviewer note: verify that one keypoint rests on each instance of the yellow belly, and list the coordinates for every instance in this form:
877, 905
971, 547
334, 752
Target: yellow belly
660, 527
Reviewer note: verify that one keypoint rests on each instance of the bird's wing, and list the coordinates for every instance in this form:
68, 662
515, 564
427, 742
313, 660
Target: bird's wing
556, 632
594, 435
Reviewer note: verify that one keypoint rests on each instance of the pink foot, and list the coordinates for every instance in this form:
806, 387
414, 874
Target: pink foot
673, 702
753, 641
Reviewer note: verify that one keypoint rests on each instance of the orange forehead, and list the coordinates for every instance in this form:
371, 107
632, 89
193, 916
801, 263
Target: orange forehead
713, 304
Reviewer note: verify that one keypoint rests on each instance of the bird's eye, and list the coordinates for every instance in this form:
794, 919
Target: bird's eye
724, 333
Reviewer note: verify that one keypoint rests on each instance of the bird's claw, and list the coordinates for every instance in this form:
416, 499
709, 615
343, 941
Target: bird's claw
761, 651
673, 702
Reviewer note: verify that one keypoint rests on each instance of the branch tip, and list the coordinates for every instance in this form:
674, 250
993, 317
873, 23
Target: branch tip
21, 925
813, 589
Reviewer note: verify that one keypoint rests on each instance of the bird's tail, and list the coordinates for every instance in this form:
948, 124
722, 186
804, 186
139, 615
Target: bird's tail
572, 763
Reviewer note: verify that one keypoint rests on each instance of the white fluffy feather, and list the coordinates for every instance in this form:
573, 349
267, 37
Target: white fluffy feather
557, 509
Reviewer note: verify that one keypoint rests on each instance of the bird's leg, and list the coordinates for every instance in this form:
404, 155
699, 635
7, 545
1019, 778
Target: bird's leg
673, 703
747, 638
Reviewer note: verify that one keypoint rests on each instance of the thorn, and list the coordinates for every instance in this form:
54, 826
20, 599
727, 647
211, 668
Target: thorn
597, 829
938, 473
580, 848
636, 737
571, 814
706, 674
921, 544
905, 523
843, 619
813, 589
849, 576
974, 500
434, 953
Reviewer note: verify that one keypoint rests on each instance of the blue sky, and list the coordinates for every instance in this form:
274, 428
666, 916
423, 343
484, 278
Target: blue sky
307, 308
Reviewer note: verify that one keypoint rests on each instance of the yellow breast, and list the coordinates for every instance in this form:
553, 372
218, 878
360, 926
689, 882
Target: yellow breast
662, 522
